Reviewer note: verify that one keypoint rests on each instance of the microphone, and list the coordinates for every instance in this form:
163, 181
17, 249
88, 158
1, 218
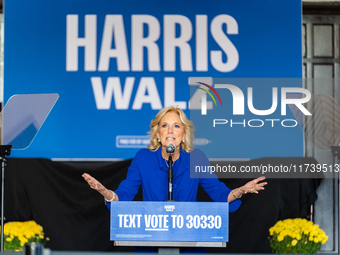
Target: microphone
170, 148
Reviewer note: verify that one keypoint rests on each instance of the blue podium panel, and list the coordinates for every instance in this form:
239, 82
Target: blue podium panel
169, 221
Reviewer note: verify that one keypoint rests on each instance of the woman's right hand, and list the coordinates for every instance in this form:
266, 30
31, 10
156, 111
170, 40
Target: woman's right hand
96, 185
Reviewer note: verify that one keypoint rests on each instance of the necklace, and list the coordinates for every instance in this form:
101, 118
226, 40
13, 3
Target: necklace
173, 161
166, 162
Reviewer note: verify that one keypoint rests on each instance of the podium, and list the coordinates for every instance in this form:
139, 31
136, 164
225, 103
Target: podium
169, 224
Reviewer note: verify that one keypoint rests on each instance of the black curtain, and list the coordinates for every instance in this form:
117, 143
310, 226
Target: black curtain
75, 217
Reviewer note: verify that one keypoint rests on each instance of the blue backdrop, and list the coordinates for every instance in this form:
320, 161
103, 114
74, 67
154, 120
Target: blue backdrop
116, 63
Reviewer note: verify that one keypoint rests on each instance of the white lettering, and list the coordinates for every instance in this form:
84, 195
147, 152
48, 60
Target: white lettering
219, 121
147, 85
126, 220
120, 220
250, 123
272, 120
169, 94
257, 120
238, 98
223, 41
171, 42
73, 42
291, 120
201, 43
147, 219
138, 42
297, 101
239, 123
113, 86
114, 27
177, 33
262, 112
132, 221
154, 221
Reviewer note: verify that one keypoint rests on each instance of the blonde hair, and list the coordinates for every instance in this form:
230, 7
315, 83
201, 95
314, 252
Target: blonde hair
188, 129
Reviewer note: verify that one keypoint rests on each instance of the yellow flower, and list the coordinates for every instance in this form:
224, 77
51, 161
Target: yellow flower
324, 240
23, 240
317, 239
23, 232
280, 237
296, 229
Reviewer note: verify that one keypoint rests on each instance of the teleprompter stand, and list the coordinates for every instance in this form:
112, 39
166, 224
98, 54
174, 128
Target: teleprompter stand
21, 118
5, 150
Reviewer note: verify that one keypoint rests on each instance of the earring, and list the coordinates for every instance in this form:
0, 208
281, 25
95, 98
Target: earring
159, 140
183, 141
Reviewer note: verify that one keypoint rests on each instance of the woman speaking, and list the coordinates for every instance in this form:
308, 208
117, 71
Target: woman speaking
150, 167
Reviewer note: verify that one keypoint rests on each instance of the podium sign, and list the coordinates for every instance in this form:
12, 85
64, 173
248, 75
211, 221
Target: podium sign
169, 221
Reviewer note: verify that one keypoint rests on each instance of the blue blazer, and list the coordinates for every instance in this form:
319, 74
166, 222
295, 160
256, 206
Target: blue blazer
151, 170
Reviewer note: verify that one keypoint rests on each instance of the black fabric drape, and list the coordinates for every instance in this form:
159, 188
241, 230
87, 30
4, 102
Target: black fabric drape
75, 217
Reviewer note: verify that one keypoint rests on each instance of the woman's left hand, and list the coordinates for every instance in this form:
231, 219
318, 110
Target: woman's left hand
253, 186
